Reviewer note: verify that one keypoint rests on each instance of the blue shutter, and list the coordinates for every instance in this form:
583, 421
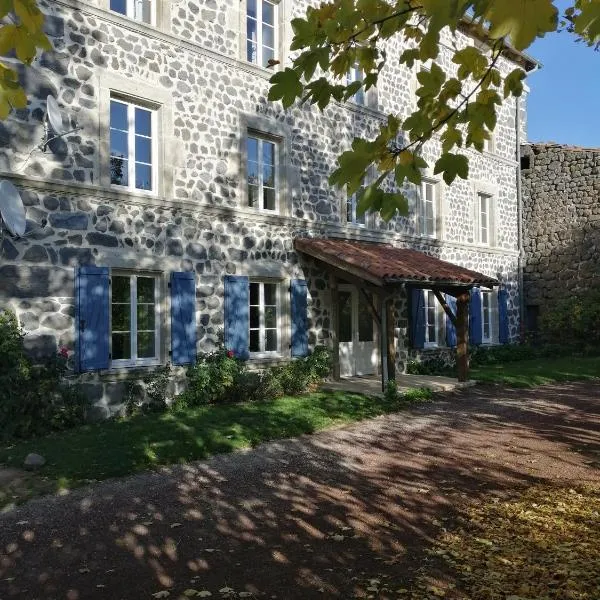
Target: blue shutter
237, 315
475, 325
503, 315
299, 310
417, 313
92, 318
450, 329
183, 318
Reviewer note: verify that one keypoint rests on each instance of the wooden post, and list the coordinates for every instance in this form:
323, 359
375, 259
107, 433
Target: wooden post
391, 338
335, 325
383, 331
462, 336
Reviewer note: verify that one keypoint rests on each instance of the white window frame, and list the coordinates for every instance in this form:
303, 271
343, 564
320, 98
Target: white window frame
487, 297
423, 205
355, 73
131, 11
484, 224
134, 361
351, 206
430, 296
131, 106
488, 144
261, 314
261, 138
259, 33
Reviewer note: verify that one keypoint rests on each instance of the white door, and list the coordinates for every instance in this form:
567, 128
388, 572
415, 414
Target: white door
358, 355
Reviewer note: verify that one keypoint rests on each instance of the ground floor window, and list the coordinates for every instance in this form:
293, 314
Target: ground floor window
431, 321
486, 316
264, 317
134, 319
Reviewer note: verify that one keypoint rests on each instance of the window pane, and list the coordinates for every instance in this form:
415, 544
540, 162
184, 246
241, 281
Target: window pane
268, 153
268, 55
143, 149
268, 15
252, 195
118, 143
254, 316
119, 171
251, 52
121, 287
252, 172
121, 317
345, 300
268, 176
146, 346
349, 209
121, 346
118, 114
484, 236
269, 199
252, 149
271, 341
145, 317
268, 36
365, 323
251, 30
254, 293
143, 10
432, 334
143, 177
271, 316
119, 6
251, 8
254, 345
270, 294
143, 122
145, 289
359, 97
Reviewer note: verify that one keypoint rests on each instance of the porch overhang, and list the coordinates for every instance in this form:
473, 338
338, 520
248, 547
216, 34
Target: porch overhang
384, 265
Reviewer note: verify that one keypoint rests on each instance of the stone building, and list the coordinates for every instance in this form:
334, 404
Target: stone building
561, 237
170, 218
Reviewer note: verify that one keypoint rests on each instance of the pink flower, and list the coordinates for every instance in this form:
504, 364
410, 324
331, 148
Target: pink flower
64, 352
230, 354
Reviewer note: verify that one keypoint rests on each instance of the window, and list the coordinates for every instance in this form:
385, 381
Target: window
139, 10
355, 74
134, 320
352, 216
262, 173
486, 316
427, 209
132, 146
264, 317
484, 208
431, 319
261, 31
488, 144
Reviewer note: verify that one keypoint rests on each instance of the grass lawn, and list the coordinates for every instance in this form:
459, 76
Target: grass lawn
121, 447
529, 373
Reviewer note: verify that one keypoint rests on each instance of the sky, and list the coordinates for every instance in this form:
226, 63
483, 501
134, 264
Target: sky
564, 104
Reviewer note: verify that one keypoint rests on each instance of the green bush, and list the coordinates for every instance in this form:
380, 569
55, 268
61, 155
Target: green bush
435, 365
34, 399
391, 391
489, 355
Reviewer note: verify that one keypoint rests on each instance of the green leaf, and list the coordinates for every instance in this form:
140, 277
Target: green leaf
285, 86
452, 166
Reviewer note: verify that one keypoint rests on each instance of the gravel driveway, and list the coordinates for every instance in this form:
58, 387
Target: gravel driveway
314, 517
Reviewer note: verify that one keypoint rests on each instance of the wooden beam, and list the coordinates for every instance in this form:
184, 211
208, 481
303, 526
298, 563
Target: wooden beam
342, 275
335, 325
462, 335
391, 335
445, 306
371, 307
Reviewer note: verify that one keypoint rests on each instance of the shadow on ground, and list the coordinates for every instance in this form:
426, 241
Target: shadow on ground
315, 517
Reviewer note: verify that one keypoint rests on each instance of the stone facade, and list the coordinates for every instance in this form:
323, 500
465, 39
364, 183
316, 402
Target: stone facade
561, 210
192, 67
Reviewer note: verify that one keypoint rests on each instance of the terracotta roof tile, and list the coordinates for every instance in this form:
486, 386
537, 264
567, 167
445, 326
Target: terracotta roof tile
384, 263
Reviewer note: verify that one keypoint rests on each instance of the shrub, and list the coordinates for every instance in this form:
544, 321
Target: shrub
415, 395
488, 355
151, 395
34, 399
434, 365
391, 391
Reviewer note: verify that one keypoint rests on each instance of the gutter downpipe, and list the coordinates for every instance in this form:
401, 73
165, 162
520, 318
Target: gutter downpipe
520, 221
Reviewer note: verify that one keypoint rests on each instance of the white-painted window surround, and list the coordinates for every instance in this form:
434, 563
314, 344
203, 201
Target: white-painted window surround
262, 173
484, 213
265, 314
135, 319
487, 312
133, 140
355, 74
431, 319
138, 10
262, 35
352, 216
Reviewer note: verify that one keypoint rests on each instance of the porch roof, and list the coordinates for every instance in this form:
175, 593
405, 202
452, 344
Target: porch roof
384, 264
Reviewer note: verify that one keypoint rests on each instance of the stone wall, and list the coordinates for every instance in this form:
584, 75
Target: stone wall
561, 212
192, 66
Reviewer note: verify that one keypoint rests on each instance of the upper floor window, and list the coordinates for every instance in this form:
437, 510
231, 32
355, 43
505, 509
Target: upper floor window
261, 31
132, 146
264, 317
262, 175
488, 144
352, 216
355, 74
134, 320
486, 316
427, 209
139, 10
484, 218
431, 319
